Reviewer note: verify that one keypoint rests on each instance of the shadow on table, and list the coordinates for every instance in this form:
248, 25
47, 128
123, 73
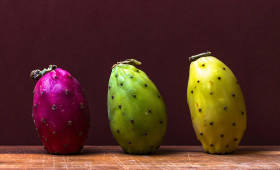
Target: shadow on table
28, 150
98, 151
199, 151
202, 153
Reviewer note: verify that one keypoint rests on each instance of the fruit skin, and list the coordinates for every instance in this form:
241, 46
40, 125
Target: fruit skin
136, 110
60, 112
216, 104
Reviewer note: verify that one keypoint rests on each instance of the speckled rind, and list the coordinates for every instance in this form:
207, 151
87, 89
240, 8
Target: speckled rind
60, 111
216, 104
136, 110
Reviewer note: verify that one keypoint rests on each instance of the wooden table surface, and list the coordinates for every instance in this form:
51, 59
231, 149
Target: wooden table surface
168, 157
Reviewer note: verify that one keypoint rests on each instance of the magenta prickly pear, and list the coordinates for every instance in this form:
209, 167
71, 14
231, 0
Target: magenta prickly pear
60, 111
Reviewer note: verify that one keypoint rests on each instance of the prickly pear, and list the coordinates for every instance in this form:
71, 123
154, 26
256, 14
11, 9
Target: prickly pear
216, 104
60, 111
136, 110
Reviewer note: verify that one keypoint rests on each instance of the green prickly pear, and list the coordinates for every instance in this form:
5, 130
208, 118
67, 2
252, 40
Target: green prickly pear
136, 110
216, 104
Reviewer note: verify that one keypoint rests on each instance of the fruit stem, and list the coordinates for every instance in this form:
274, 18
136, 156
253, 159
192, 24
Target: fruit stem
195, 57
128, 61
37, 74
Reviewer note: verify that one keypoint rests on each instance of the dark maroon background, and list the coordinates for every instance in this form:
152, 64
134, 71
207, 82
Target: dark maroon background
87, 37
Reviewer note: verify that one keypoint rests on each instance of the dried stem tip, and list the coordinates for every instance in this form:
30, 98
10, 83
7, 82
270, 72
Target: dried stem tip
128, 61
195, 57
37, 74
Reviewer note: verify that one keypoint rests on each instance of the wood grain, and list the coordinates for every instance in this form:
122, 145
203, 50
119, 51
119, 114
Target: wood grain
168, 157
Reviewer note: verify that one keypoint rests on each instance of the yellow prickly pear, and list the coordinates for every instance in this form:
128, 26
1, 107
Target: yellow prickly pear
216, 104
